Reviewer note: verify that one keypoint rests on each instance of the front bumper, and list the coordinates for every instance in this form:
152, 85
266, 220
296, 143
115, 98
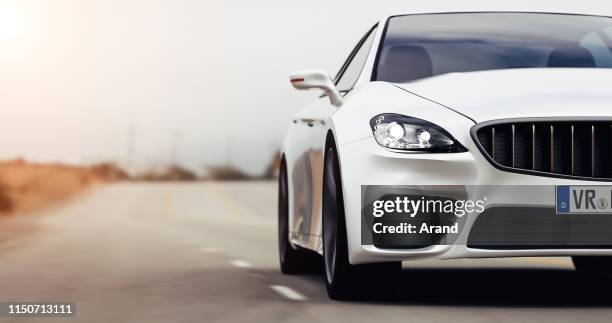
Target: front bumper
364, 162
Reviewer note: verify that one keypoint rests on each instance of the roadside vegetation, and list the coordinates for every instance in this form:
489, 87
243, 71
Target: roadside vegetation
26, 187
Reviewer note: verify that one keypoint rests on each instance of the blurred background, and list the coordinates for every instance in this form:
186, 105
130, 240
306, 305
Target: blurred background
149, 84
107, 107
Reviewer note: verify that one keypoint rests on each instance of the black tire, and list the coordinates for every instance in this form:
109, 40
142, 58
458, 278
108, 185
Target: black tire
593, 265
292, 260
343, 280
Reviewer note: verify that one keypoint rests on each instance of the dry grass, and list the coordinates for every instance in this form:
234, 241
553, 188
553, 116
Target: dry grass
26, 187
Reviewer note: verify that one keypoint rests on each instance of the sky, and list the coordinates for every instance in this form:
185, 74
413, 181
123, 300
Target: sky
201, 83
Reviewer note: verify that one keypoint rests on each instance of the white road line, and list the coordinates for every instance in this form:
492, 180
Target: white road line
289, 293
241, 264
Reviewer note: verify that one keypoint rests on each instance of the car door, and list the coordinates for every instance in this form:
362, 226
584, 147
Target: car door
310, 127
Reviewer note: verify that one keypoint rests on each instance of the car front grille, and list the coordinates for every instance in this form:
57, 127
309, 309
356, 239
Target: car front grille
577, 148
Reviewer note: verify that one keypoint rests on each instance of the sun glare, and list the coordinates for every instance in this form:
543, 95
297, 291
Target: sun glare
11, 23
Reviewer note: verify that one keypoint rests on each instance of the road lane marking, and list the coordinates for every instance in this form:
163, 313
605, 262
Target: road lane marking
168, 205
289, 293
235, 208
241, 264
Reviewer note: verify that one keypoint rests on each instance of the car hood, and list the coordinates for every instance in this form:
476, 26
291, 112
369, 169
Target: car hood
530, 93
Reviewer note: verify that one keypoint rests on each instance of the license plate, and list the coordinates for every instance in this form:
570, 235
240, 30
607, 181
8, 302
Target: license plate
583, 199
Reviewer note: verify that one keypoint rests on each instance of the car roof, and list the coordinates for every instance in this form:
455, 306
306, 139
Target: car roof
575, 13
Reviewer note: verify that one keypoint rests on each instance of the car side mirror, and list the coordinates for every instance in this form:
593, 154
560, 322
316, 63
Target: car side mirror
317, 79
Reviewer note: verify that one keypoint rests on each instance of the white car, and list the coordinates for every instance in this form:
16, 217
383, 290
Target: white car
509, 111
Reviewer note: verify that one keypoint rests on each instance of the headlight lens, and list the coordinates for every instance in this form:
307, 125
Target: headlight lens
396, 131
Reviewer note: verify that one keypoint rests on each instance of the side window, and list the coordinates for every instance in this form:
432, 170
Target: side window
354, 64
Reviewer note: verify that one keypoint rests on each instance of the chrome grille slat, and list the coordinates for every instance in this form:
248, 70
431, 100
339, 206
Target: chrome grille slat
592, 150
572, 151
533, 147
552, 148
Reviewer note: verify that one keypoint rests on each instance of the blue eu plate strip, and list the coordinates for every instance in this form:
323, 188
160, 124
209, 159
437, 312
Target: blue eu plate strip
563, 199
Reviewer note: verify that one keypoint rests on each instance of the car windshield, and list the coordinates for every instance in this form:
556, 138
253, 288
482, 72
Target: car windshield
420, 46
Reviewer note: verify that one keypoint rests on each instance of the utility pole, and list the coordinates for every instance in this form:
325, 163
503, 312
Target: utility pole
112, 149
228, 152
130, 148
175, 145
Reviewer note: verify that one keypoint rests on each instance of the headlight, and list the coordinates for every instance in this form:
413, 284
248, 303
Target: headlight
396, 131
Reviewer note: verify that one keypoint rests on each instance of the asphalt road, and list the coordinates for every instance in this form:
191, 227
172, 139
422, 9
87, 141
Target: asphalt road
207, 253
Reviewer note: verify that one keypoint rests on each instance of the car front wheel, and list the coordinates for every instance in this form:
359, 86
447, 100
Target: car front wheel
343, 280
